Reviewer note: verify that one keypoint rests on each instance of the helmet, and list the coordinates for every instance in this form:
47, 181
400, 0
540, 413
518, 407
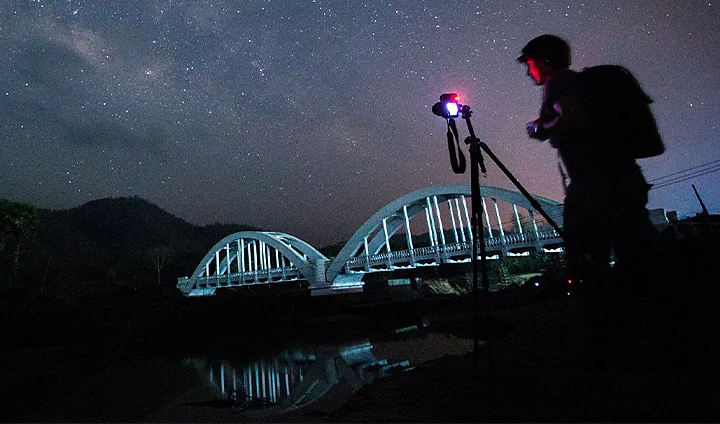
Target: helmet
551, 48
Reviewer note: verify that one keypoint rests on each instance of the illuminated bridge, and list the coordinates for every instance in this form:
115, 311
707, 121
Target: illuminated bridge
427, 227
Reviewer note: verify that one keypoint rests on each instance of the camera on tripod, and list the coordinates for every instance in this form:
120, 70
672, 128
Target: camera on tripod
449, 106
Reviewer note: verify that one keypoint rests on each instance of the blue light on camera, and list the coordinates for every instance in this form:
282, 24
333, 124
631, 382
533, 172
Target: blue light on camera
452, 109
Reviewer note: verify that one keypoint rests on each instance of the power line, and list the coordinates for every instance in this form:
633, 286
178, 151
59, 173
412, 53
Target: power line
688, 176
685, 170
659, 182
670, 179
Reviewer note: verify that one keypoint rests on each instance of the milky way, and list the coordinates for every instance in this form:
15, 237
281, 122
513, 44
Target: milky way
309, 116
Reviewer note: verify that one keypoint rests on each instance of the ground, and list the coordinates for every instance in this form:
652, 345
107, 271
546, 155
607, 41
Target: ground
540, 363
544, 369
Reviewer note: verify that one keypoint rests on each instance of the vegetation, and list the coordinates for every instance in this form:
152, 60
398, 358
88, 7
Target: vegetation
105, 272
534, 262
108, 242
18, 221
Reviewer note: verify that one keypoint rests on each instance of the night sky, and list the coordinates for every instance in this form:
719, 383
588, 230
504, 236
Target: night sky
308, 116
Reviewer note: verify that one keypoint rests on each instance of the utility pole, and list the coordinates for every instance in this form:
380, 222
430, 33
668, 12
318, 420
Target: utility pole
705, 212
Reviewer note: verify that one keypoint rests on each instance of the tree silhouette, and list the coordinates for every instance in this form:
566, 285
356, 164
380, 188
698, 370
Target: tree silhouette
18, 221
158, 258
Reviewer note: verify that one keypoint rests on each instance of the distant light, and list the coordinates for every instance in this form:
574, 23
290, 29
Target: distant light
537, 284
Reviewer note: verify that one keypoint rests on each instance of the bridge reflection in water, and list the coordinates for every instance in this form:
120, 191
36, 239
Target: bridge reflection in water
319, 379
294, 378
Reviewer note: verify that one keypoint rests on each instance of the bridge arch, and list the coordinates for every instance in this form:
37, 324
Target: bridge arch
246, 257
397, 213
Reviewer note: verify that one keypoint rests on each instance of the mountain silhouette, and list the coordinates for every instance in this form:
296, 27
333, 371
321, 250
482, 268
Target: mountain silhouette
111, 240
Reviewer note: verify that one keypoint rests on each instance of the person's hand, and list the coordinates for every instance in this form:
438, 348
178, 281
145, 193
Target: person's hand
536, 131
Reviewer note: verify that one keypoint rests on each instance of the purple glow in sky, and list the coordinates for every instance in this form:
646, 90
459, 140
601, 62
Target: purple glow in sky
308, 116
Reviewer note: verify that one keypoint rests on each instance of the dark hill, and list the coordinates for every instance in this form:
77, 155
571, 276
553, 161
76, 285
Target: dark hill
110, 241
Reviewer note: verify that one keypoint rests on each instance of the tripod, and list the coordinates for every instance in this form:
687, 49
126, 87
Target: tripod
477, 165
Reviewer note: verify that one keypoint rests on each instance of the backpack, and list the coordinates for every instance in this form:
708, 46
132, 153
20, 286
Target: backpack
620, 111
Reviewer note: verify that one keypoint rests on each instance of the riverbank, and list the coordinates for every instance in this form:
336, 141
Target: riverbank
57, 345
53, 346
545, 367
659, 364
543, 372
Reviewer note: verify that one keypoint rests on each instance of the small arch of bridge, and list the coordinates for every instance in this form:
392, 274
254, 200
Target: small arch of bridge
254, 257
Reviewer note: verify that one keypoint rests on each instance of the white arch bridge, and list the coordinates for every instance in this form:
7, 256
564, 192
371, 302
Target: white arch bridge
438, 214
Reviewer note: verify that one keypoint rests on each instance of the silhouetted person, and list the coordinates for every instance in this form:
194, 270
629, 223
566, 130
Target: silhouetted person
605, 200
606, 197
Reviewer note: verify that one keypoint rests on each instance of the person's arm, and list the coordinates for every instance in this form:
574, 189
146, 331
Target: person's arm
560, 118
568, 120
541, 128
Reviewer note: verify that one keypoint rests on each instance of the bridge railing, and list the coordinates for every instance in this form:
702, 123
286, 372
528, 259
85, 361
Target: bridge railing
248, 277
441, 252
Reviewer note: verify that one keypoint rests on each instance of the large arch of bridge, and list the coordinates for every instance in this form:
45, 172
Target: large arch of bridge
287, 245
394, 216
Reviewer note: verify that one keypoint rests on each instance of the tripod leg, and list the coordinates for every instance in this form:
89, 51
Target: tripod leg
479, 238
522, 189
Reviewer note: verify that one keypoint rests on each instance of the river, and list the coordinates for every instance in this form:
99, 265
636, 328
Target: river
292, 382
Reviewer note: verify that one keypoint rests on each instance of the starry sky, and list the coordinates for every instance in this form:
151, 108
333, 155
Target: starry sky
308, 116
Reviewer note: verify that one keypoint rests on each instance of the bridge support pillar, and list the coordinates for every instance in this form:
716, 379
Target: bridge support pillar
320, 267
320, 286
344, 283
